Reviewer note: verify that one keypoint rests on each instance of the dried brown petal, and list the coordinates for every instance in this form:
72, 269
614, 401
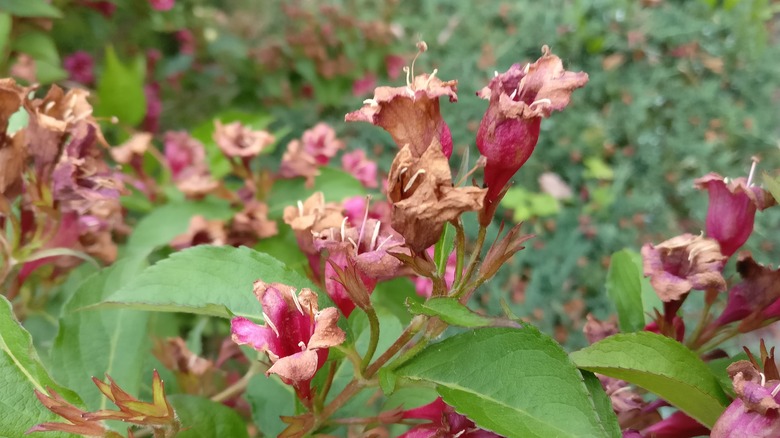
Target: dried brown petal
423, 197
137, 145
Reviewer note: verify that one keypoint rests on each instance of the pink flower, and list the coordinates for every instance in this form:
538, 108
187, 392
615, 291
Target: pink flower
361, 252
105, 8
162, 5
751, 299
394, 65
519, 99
362, 86
321, 143
186, 42
80, 66
756, 410
296, 336
424, 286
182, 152
356, 206
677, 425
151, 121
363, 169
442, 421
732, 209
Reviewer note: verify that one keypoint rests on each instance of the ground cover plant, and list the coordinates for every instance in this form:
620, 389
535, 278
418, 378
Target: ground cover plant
204, 235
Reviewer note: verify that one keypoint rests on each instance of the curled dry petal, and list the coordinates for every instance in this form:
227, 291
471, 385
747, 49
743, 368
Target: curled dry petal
519, 99
423, 198
683, 263
136, 146
312, 216
76, 423
411, 114
755, 411
250, 224
732, 209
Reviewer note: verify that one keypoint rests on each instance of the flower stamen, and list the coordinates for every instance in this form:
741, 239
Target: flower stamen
413, 179
375, 235
270, 324
297, 303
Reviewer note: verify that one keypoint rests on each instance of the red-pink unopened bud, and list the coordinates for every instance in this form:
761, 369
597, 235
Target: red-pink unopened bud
519, 99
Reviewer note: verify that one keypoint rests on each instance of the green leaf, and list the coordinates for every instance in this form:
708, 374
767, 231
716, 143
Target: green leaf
120, 90
6, 24
37, 44
30, 8
284, 248
773, 185
603, 404
164, 223
515, 382
444, 247
625, 290
105, 341
269, 398
335, 183
203, 418
719, 368
206, 280
596, 168
450, 311
662, 366
650, 299
18, 120
21, 372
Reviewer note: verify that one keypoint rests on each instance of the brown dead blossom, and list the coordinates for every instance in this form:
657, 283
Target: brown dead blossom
201, 231
12, 150
296, 162
423, 197
312, 216
237, 140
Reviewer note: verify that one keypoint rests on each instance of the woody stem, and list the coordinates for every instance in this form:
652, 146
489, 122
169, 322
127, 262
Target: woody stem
239, 386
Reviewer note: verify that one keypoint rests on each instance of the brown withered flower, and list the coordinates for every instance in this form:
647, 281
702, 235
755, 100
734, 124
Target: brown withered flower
683, 263
237, 140
201, 232
423, 197
411, 114
312, 216
12, 150
296, 162
251, 224
194, 374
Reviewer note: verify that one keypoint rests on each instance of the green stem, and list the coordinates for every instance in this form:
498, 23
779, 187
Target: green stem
460, 250
705, 317
320, 400
373, 324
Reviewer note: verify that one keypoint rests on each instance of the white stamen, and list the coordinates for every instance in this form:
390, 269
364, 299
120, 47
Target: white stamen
375, 235
763, 379
371, 102
459, 433
383, 242
48, 106
352, 242
302, 346
431, 76
726, 180
413, 179
776, 390
495, 73
363, 225
407, 70
540, 102
752, 171
526, 68
270, 324
403, 171
67, 113
297, 303
332, 237
300, 208
514, 93
343, 228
